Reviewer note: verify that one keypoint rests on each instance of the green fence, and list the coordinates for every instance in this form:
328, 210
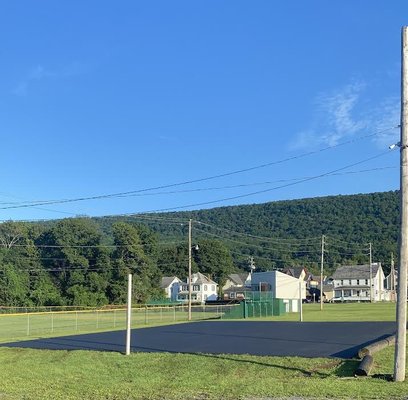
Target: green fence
265, 307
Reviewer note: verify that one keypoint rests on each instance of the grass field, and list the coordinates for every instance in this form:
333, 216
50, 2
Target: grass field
43, 374
23, 326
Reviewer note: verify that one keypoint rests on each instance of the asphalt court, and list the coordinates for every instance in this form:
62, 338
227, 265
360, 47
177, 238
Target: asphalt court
263, 338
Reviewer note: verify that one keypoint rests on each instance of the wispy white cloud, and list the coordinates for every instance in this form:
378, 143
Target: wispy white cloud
40, 73
385, 116
343, 114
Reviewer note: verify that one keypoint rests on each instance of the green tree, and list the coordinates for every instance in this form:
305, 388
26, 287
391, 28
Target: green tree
130, 258
213, 258
73, 247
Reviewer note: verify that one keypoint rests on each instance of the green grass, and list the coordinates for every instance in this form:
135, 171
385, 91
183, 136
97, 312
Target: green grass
43, 374
344, 312
14, 327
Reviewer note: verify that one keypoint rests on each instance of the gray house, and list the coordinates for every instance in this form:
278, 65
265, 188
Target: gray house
354, 283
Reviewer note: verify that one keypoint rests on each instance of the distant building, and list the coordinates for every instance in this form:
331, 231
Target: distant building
202, 289
297, 272
171, 286
353, 283
281, 286
236, 286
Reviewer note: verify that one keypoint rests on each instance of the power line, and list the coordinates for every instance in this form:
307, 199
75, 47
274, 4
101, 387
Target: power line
266, 190
257, 237
120, 194
255, 245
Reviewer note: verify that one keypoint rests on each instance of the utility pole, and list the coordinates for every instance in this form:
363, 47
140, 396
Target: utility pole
190, 223
251, 265
401, 337
371, 273
321, 274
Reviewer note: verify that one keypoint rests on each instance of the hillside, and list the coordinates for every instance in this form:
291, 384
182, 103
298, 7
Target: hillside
349, 222
85, 261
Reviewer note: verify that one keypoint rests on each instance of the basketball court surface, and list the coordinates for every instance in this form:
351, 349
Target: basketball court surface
303, 339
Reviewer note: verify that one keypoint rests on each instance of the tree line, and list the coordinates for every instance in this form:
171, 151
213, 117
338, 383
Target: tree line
85, 261
72, 262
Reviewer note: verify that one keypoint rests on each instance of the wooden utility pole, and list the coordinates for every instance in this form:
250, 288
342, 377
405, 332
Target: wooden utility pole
321, 275
371, 273
190, 223
401, 337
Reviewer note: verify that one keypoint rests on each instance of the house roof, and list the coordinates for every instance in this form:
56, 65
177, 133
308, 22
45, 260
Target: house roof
356, 271
294, 271
200, 278
238, 279
167, 280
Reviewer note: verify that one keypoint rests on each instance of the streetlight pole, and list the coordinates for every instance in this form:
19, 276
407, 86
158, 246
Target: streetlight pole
190, 223
401, 337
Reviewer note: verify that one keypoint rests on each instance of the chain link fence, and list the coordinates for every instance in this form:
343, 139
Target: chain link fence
52, 321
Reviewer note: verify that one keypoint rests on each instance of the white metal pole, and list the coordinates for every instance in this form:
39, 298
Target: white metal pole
300, 302
401, 337
189, 268
128, 314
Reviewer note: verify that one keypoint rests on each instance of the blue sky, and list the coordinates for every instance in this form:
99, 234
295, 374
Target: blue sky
103, 97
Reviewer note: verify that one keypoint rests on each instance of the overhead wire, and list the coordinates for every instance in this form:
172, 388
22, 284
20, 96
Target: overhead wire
119, 194
262, 191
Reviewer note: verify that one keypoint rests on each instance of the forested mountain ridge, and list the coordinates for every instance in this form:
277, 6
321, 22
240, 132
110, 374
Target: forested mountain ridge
84, 261
350, 222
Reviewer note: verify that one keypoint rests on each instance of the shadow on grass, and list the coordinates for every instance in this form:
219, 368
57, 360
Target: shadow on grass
304, 372
346, 368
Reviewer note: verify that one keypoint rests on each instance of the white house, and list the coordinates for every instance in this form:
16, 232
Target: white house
353, 283
281, 286
171, 286
236, 286
202, 289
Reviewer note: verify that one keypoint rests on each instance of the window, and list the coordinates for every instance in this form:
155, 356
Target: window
358, 281
196, 288
366, 281
349, 281
341, 282
232, 295
213, 288
205, 297
185, 287
205, 287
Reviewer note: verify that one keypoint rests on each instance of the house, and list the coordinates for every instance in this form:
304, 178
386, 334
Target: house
300, 273
202, 289
313, 286
236, 286
238, 280
281, 286
171, 286
353, 283
390, 284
